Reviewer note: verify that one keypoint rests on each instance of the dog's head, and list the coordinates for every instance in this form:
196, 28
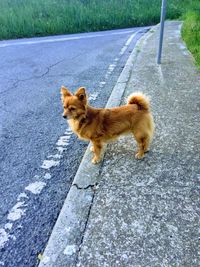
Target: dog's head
74, 105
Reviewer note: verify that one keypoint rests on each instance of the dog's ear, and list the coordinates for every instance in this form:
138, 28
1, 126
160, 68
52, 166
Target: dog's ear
81, 93
65, 92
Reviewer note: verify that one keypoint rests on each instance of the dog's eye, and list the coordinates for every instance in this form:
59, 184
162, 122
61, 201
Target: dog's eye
71, 109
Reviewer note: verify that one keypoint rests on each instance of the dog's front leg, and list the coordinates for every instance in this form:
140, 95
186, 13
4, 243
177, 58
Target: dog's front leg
92, 149
96, 148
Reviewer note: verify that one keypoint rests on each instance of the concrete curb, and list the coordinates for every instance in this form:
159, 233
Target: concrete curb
64, 243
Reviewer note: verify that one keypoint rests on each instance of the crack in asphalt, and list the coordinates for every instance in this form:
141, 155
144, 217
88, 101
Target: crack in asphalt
16, 83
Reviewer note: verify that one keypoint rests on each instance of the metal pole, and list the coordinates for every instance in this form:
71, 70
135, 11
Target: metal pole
162, 22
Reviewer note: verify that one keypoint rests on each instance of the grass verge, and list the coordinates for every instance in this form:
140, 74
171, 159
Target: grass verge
28, 18
191, 32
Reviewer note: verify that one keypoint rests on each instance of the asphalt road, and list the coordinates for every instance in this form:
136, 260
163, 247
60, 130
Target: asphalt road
39, 155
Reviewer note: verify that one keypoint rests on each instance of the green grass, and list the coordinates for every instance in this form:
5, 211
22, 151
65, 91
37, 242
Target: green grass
191, 31
27, 18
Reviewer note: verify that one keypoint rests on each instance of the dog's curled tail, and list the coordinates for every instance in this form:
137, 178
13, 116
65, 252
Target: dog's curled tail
139, 99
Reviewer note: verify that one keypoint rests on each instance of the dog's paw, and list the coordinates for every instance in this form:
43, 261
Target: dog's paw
92, 149
139, 155
95, 160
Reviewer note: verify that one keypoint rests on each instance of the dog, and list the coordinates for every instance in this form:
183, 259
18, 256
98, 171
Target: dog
101, 125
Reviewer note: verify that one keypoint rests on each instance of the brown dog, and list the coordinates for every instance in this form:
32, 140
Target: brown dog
101, 125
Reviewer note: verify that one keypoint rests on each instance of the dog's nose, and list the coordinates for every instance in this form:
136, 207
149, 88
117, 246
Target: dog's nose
64, 116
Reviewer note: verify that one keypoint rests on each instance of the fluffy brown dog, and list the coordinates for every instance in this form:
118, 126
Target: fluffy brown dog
101, 125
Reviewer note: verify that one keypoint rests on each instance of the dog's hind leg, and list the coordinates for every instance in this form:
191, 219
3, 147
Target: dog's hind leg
143, 145
140, 152
146, 143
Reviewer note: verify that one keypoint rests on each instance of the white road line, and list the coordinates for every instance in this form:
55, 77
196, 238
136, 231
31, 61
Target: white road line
47, 176
35, 187
4, 237
17, 211
63, 141
22, 195
56, 156
127, 43
47, 164
8, 226
56, 39
93, 96
130, 39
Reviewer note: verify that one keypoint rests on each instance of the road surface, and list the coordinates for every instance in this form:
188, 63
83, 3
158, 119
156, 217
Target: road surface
39, 155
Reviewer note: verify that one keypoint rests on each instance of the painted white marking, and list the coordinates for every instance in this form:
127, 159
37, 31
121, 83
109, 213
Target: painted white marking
17, 211
123, 50
107, 75
70, 250
35, 187
56, 156
63, 141
8, 226
57, 39
68, 131
4, 237
116, 33
47, 164
102, 83
130, 39
127, 43
22, 195
111, 68
47, 176
93, 96
61, 149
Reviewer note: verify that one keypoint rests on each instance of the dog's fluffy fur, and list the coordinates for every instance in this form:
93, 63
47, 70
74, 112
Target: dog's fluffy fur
101, 125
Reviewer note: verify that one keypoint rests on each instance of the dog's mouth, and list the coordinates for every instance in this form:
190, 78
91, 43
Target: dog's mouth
73, 116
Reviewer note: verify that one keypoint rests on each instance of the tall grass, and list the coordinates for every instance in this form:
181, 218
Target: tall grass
191, 30
27, 18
